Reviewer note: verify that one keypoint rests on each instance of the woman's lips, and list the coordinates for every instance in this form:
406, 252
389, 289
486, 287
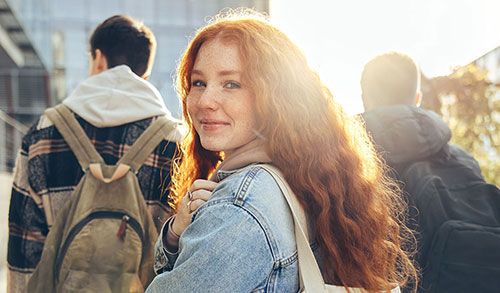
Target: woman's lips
212, 125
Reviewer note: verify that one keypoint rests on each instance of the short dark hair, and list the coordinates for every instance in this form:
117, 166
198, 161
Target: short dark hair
124, 41
389, 79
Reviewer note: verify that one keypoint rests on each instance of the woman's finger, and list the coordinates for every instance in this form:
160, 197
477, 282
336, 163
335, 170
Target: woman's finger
202, 194
195, 204
198, 194
203, 184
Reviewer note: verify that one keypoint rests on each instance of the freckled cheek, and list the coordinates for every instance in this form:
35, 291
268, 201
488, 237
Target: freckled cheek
190, 104
248, 115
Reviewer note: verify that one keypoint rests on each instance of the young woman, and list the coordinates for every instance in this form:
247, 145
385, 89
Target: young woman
250, 97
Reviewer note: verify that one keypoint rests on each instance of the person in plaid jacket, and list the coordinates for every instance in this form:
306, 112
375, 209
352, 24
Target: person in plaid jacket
114, 106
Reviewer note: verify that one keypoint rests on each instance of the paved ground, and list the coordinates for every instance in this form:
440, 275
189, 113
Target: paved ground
5, 184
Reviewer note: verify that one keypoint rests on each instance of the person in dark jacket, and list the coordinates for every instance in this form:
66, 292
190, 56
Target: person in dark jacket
114, 106
406, 134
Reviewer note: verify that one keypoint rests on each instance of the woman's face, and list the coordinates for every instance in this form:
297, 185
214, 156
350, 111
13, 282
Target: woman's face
219, 103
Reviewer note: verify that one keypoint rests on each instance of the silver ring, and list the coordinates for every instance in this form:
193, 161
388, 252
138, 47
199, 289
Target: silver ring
190, 195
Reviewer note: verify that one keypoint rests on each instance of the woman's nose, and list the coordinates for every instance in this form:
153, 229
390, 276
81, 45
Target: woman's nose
208, 98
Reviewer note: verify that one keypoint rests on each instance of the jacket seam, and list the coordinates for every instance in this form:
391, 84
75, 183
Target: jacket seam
277, 261
242, 190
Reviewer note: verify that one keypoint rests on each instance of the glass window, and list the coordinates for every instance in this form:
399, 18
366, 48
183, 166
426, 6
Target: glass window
196, 12
76, 45
171, 12
69, 9
99, 10
143, 10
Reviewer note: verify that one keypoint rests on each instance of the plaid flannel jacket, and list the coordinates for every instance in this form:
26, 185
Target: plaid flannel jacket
46, 165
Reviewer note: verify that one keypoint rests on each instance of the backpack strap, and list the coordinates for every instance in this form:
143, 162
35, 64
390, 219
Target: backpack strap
137, 154
89, 158
74, 135
147, 142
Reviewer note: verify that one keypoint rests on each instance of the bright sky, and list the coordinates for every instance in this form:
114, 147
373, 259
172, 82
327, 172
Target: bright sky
339, 37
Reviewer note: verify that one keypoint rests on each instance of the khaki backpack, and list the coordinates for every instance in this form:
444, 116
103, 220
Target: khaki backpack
103, 238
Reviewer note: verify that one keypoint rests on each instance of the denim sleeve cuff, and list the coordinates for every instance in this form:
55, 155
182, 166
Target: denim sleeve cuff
164, 259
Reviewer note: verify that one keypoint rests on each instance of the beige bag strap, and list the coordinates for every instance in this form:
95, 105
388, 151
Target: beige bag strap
74, 135
310, 274
78, 141
147, 142
138, 153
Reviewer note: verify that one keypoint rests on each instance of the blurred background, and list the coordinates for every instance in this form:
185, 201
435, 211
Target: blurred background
44, 55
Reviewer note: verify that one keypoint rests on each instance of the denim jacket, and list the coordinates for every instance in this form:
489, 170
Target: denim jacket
241, 240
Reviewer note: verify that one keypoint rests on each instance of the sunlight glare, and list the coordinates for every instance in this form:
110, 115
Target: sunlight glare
339, 37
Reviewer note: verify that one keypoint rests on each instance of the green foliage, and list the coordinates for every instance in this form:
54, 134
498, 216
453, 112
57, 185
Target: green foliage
470, 104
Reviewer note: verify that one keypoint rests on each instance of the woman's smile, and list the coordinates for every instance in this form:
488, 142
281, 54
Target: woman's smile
213, 125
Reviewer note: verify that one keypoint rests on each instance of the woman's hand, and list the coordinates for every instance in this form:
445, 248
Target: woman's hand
198, 194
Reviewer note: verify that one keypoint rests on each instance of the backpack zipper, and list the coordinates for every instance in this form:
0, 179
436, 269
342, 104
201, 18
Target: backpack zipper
97, 215
123, 228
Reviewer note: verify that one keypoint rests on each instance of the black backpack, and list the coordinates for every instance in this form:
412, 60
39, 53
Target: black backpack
458, 220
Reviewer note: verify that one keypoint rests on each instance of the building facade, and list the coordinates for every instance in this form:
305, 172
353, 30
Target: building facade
60, 30
44, 48
24, 84
490, 61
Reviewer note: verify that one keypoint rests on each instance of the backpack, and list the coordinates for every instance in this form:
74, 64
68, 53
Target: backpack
103, 238
458, 220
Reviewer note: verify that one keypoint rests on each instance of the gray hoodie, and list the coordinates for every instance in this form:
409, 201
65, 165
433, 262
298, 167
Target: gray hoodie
114, 97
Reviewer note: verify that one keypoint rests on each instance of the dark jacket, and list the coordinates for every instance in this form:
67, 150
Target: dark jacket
406, 134
415, 143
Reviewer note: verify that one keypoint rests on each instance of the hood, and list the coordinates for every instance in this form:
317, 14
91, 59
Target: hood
406, 133
114, 97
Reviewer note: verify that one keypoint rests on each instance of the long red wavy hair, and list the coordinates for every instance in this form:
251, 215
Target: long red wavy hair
325, 155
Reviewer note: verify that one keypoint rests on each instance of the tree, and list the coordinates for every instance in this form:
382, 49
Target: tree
470, 103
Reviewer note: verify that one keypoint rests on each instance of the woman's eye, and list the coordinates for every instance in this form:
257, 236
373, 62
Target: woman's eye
232, 85
197, 83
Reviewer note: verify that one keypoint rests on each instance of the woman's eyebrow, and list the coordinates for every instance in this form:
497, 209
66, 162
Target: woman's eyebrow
229, 72
222, 72
195, 71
